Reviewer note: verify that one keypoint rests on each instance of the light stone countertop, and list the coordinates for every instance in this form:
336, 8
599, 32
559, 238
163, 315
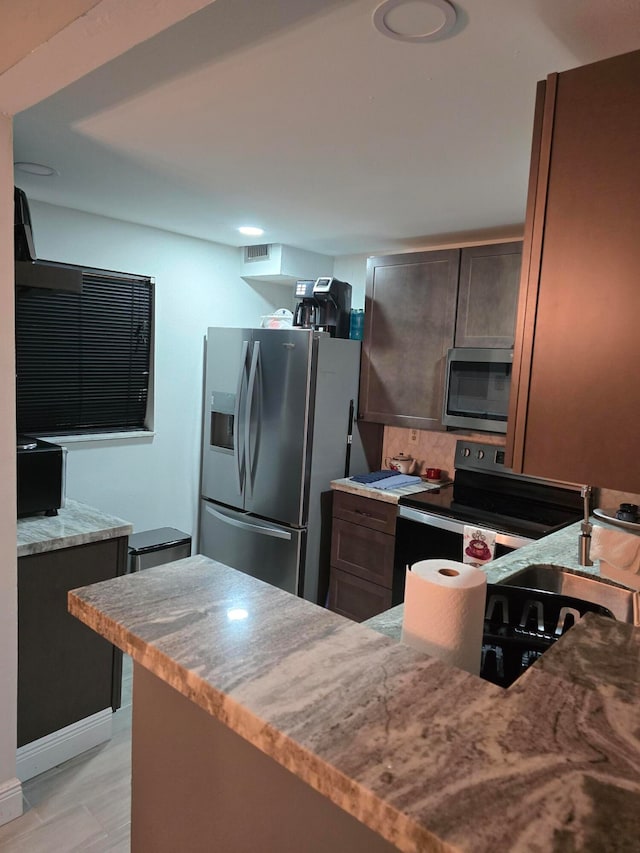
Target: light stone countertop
75, 524
428, 756
556, 549
390, 496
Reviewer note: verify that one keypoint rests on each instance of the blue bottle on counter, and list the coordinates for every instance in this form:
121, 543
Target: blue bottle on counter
356, 324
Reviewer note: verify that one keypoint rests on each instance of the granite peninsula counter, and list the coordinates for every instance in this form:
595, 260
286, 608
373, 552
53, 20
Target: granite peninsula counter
424, 757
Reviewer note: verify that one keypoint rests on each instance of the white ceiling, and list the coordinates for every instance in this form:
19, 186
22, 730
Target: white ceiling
300, 117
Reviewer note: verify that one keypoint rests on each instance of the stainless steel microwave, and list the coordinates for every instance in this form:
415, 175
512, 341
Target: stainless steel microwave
478, 382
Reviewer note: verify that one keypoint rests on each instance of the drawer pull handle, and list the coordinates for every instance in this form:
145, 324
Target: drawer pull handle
362, 512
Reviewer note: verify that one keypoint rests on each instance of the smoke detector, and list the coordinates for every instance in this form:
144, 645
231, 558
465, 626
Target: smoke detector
415, 20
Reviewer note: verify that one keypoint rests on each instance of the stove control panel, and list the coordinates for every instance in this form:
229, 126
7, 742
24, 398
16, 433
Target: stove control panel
489, 459
475, 456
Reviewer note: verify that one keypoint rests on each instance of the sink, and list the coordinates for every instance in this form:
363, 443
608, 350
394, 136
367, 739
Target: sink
624, 603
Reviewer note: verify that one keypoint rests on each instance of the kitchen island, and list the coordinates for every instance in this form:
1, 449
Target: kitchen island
68, 678
262, 721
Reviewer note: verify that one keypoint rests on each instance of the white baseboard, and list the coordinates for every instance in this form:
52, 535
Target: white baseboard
10, 800
49, 751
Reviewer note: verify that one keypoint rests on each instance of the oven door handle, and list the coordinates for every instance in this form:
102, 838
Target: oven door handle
508, 540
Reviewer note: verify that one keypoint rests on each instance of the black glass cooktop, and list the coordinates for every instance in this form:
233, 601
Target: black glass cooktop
514, 505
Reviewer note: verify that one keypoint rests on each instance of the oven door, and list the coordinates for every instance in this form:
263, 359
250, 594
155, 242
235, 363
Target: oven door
426, 536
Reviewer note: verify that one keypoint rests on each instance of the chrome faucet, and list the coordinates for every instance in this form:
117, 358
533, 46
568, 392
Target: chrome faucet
584, 544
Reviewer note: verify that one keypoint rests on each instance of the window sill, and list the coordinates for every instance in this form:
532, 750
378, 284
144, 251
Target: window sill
98, 436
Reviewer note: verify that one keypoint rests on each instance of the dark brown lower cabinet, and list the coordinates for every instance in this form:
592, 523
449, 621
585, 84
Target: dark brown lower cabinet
362, 580
356, 598
66, 672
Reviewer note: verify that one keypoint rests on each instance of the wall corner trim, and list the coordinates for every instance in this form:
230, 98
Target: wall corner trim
10, 800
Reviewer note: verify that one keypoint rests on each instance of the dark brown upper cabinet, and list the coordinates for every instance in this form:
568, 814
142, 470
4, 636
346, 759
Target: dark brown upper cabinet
488, 295
410, 311
575, 404
417, 305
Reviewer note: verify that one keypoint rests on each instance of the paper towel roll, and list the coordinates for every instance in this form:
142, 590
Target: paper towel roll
444, 604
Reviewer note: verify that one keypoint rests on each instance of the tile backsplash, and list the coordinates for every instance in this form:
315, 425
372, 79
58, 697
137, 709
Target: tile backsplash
610, 499
429, 449
437, 450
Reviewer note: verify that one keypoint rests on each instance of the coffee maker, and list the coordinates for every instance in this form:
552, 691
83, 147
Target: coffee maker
334, 306
306, 313
325, 305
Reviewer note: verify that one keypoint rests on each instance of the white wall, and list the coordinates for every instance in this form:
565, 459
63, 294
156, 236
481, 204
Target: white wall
352, 268
153, 482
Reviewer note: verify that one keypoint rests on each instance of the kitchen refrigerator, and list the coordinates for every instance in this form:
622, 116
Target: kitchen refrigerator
279, 412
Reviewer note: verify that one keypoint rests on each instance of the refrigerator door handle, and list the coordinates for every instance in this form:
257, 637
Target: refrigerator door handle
264, 529
253, 374
238, 449
347, 457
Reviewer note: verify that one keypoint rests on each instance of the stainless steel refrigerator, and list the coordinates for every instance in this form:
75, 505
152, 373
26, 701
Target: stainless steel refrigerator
279, 407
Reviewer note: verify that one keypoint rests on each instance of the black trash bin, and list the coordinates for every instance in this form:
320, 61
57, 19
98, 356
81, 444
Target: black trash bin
154, 547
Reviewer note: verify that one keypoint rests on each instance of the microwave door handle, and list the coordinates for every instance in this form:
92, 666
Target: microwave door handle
350, 426
238, 449
251, 394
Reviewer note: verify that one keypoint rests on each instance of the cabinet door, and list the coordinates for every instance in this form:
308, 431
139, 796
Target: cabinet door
356, 598
66, 672
409, 326
488, 295
574, 403
362, 552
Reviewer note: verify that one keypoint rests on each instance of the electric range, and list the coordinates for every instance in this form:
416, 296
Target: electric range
486, 493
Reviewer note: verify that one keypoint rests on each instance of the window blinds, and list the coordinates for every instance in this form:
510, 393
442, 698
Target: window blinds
83, 361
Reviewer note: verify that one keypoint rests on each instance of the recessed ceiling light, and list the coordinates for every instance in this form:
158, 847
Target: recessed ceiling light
415, 20
251, 231
35, 169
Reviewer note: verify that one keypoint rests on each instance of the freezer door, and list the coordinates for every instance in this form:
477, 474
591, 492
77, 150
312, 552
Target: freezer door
258, 548
277, 424
223, 439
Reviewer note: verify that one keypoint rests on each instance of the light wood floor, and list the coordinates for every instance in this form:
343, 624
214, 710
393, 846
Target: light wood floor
83, 804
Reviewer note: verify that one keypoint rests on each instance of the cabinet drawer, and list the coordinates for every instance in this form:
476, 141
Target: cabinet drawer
369, 512
66, 672
363, 552
356, 598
